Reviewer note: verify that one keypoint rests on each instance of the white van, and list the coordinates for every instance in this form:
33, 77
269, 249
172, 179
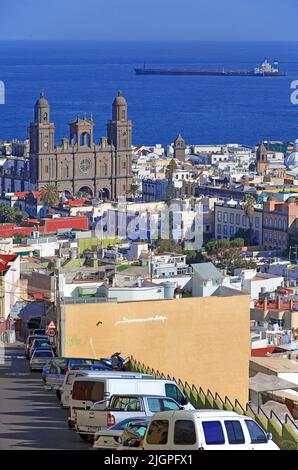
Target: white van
89, 390
71, 375
205, 430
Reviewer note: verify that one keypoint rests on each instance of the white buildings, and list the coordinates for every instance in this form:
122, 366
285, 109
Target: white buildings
255, 283
10, 283
206, 279
230, 217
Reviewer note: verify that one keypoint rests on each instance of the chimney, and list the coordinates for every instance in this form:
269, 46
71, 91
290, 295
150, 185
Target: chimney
291, 306
265, 303
278, 303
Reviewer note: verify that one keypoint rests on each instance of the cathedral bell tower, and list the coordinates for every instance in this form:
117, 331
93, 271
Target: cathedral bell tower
41, 131
42, 143
119, 128
119, 135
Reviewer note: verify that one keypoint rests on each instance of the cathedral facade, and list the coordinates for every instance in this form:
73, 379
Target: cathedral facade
80, 164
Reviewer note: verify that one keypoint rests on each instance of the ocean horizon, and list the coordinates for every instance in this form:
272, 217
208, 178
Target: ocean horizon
84, 76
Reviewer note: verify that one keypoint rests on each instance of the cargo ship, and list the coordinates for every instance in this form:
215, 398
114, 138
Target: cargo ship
265, 70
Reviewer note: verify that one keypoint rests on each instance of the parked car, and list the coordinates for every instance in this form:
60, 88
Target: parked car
88, 390
205, 430
77, 371
110, 438
39, 358
47, 367
133, 435
121, 407
40, 344
39, 331
56, 375
29, 342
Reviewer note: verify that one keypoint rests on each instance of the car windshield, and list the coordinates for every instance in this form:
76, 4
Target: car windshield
33, 338
138, 429
38, 344
82, 360
124, 424
43, 354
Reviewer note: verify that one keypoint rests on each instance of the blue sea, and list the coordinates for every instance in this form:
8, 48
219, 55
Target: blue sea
80, 77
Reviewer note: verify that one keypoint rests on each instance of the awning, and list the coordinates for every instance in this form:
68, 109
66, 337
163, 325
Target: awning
269, 383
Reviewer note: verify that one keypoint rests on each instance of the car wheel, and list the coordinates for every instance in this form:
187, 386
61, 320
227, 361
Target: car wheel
85, 437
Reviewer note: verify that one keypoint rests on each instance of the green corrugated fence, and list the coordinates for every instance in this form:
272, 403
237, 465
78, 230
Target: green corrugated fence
285, 433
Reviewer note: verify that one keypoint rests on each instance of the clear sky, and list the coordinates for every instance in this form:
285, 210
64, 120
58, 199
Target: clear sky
149, 19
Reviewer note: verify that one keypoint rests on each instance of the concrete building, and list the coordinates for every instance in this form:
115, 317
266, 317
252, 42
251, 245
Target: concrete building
230, 217
255, 283
205, 341
169, 264
154, 190
284, 312
279, 224
10, 283
206, 280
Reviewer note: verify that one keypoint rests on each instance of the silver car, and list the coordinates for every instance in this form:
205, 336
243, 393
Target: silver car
40, 358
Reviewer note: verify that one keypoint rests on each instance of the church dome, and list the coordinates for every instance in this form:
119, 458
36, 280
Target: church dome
292, 159
42, 102
120, 100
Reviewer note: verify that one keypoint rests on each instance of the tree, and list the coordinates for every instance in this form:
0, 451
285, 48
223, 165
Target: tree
249, 210
49, 195
134, 190
170, 194
11, 215
243, 235
226, 254
170, 187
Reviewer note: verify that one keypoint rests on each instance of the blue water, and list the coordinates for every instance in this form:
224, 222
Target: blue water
82, 77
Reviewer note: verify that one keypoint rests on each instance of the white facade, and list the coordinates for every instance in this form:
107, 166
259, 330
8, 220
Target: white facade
256, 283
11, 286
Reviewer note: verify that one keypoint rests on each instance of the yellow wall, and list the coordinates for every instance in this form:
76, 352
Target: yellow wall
204, 341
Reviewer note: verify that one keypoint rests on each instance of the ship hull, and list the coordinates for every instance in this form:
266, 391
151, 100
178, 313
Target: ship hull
218, 73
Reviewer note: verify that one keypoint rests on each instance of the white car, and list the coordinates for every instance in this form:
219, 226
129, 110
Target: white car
40, 358
205, 430
110, 438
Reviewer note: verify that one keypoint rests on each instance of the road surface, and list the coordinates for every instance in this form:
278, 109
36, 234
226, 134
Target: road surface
30, 417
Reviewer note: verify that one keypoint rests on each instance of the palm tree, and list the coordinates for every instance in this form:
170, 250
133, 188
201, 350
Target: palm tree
134, 190
169, 174
249, 210
49, 194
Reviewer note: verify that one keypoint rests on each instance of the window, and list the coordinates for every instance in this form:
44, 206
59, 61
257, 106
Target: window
225, 230
244, 220
231, 218
219, 228
173, 392
158, 432
257, 434
127, 404
257, 222
85, 390
234, 432
70, 379
219, 216
213, 433
167, 405
225, 218
232, 231
184, 432
154, 405
237, 219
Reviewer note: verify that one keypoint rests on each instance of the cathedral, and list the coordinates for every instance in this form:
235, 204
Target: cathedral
80, 164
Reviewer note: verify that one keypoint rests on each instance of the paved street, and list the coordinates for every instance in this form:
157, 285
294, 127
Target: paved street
30, 417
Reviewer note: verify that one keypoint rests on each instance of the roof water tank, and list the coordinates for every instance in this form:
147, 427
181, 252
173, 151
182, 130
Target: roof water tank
169, 289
